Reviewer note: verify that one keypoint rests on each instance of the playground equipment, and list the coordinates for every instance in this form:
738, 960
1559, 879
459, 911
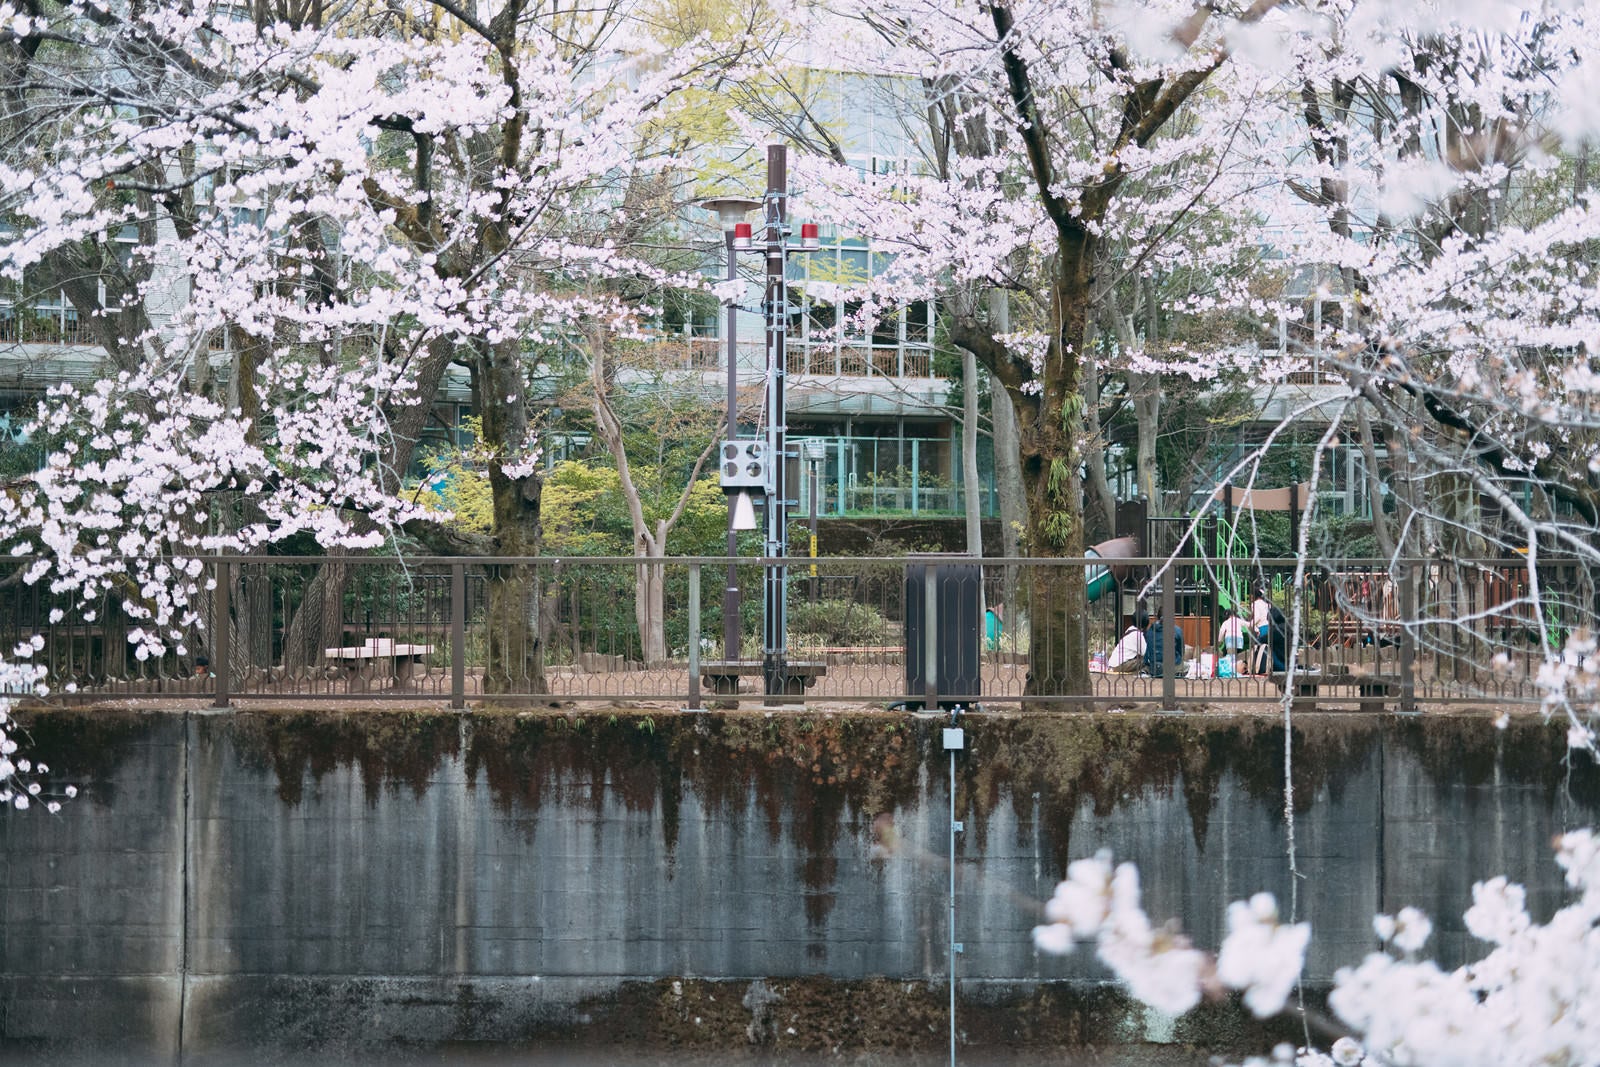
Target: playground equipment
1104, 577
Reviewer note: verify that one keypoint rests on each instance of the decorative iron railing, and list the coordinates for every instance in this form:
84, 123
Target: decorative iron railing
1371, 634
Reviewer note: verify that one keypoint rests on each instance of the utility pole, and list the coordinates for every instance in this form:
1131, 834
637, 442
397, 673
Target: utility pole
731, 629
730, 211
750, 464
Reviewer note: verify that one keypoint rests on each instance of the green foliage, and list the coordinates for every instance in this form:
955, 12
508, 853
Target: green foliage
585, 512
1059, 479
1200, 429
1260, 534
1058, 528
460, 490
457, 483
1344, 537
905, 478
579, 512
840, 622
18, 459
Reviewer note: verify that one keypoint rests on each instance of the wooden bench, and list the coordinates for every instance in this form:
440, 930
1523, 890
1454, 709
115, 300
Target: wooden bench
365, 660
1357, 633
1374, 689
722, 675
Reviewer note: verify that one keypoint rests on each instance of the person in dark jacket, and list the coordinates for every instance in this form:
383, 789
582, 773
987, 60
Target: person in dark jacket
1155, 647
1278, 638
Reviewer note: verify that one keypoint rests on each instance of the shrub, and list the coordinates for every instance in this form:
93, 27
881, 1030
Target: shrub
837, 622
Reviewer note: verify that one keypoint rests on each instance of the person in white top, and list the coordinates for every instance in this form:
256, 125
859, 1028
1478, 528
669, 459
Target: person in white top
1128, 656
1260, 626
1231, 635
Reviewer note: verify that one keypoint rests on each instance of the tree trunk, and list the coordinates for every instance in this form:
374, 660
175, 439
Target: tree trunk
1382, 532
1100, 504
650, 601
1007, 456
1146, 392
516, 653
972, 497
319, 621
1008, 473
1051, 453
516, 650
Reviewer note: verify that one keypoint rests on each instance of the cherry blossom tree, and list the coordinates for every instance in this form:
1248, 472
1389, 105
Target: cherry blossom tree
1076, 129
1434, 163
350, 200
1445, 177
1531, 999
21, 785
282, 228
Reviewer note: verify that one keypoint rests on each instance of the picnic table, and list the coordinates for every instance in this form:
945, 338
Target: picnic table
368, 659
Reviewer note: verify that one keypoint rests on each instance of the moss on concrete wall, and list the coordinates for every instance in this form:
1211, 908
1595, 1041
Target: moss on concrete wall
506, 876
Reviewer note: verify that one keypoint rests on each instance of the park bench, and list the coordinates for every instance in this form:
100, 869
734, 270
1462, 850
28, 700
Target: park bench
722, 675
379, 657
1374, 689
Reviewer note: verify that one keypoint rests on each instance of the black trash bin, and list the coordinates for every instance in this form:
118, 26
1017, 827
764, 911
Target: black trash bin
954, 676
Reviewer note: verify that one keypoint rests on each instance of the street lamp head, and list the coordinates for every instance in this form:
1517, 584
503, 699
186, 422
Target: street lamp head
730, 210
744, 513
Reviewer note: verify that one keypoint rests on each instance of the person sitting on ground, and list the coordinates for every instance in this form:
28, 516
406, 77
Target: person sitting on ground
1155, 649
1233, 637
1128, 656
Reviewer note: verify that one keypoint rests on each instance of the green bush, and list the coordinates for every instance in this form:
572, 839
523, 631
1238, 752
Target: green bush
832, 623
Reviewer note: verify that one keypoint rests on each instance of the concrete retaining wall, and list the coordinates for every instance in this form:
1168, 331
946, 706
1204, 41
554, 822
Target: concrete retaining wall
347, 883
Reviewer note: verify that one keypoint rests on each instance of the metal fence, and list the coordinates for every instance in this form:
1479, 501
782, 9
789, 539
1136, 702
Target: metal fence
1379, 634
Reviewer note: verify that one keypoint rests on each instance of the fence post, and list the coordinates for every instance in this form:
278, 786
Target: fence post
1406, 577
220, 652
458, 636
1169, 630
694, 637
